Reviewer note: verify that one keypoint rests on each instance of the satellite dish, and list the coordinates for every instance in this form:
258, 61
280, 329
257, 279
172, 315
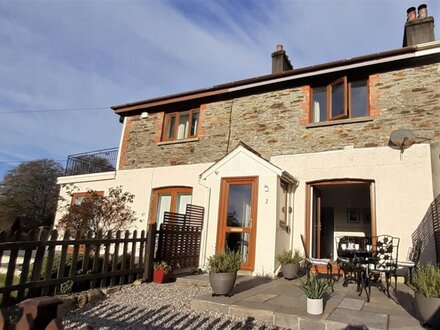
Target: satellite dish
402, 139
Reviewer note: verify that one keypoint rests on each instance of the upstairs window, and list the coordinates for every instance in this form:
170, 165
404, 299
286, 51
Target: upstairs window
339, 100
181, 125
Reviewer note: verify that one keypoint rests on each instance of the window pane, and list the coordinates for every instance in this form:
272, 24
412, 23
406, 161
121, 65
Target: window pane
182, 201
194, 123
163, 205
182, 131
337, 99
239, 205
170, 128
319, 104
359, 100
283, 202
238, 242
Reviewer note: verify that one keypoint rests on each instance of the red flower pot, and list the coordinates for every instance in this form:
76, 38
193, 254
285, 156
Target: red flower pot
159, 276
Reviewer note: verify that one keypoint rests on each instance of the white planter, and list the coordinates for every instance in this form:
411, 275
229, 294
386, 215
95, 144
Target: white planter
315, 306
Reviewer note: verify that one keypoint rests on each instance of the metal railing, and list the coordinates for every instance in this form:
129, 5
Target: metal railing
92, 162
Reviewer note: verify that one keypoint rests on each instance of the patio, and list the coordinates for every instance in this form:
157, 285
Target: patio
282, 303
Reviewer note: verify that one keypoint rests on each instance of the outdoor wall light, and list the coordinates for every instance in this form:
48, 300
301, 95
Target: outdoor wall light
144, 115
266, 188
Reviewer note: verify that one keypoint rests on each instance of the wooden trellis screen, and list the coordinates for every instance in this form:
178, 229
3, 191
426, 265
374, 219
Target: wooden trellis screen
435, 209
43, 263
179, 238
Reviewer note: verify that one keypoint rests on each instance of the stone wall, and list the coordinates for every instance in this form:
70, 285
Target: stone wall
276, 122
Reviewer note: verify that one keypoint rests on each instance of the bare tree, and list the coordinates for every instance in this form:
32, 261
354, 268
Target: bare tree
29, 193
111, 211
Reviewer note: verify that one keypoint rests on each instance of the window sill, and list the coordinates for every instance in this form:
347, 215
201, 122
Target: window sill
339, 122
193, 139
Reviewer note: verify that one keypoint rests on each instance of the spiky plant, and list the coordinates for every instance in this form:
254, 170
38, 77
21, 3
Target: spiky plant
224, 262
315, 288
290, 257
427, 281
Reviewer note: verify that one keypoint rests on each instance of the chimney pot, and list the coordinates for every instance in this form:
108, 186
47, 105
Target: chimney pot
411, 14
280, 47
423, 11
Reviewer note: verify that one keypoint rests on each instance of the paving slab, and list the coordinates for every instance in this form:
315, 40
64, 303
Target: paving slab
341, 317
286, 320
352, 303
250, 309
403, 322
260, 297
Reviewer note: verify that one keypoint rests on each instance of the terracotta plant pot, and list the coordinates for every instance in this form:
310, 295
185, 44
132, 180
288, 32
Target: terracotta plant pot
160, 277
222, 283
289, 271
315, 306
429, 310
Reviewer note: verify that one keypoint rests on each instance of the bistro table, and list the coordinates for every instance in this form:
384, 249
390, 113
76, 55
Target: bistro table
354, 259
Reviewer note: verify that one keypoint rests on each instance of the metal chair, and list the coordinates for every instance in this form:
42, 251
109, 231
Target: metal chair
318, 262
384, 261
412, 261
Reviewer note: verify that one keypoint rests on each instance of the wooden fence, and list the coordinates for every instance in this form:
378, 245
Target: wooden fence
47, 264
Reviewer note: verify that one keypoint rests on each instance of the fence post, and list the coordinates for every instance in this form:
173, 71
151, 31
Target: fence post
149, 253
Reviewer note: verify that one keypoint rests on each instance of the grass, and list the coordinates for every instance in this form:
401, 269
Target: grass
16, 280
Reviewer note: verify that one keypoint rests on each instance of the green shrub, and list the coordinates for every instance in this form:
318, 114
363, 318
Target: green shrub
290, 257
426, 280
315, 288
224, 262
162, 264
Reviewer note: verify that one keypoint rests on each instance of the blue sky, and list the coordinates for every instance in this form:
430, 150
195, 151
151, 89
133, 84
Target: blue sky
90, 55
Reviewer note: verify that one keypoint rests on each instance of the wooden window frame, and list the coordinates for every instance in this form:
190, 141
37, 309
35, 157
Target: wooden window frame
173, 191
348, 101
283, 222
330, 86
177, 115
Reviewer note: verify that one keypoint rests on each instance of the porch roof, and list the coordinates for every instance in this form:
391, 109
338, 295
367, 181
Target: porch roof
243, 147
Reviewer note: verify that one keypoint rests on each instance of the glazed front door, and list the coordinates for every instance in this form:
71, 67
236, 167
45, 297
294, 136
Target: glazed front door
238, 218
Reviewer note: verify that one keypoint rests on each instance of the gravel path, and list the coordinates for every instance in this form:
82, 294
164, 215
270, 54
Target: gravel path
156, 306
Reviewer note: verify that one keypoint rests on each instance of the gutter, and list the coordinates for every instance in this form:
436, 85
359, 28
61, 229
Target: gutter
426, 49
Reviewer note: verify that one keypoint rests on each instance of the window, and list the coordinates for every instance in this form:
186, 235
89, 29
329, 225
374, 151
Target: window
283, 203
181, 125
170, 199
80, 197
340, 99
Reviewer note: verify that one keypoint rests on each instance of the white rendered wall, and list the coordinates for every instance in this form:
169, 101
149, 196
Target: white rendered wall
140, 182
403, 184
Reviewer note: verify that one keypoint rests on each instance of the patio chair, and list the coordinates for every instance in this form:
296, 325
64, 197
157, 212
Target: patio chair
412, 261
318, 262
384, 260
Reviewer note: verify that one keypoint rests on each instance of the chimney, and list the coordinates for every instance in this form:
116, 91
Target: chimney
418, 30
280, 60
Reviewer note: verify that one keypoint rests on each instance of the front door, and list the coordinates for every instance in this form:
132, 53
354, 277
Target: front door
238, 218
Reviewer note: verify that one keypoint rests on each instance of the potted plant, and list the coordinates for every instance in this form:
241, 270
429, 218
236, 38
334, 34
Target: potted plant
162, 272
314, 290
426, 283
290, 261
223, 269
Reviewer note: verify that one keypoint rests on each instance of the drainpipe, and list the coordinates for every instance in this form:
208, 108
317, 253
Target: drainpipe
205, 238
